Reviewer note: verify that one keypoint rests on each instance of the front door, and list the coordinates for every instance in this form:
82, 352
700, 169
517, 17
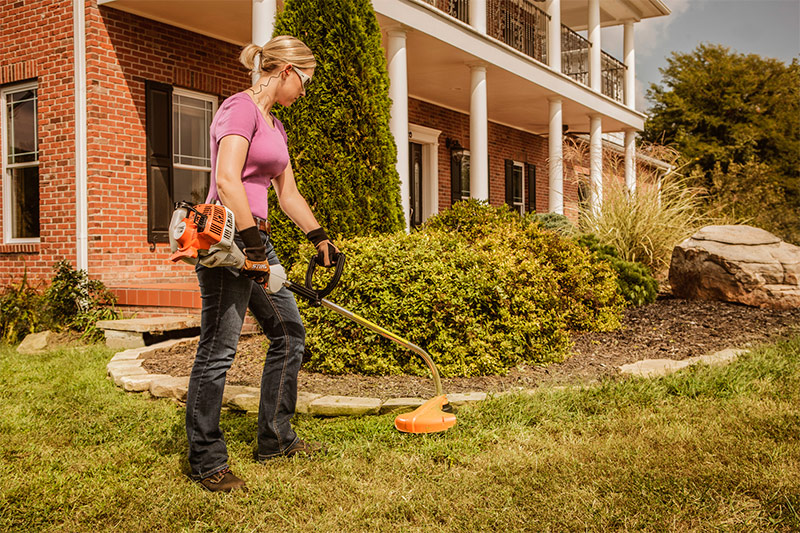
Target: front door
415, 172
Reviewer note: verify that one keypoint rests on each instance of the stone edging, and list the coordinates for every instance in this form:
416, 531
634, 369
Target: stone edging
126, 371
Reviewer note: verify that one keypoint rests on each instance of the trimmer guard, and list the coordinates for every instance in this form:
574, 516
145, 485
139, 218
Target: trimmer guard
427, 418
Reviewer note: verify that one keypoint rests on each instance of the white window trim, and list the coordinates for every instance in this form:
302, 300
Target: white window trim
521, 206
200, 96
429, 139
5, 166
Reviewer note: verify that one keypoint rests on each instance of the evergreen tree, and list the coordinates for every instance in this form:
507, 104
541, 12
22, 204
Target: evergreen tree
342, 150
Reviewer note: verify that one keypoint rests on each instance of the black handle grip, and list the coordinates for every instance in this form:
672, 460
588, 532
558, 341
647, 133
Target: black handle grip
337, 274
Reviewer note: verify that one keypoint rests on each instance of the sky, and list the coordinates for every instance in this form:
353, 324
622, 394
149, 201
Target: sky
770, 28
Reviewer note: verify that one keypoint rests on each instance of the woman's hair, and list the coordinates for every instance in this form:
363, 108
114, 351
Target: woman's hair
279, 50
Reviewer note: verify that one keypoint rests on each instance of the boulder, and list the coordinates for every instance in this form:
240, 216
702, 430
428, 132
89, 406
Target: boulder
36, 343
740, 264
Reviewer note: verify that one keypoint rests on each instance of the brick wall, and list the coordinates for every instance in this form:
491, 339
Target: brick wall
126, 50
122, 51
38, 46
504, 143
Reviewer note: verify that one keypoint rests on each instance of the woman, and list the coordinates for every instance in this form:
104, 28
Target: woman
249, 154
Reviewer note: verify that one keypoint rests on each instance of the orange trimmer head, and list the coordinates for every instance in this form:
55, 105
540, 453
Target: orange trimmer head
427, 418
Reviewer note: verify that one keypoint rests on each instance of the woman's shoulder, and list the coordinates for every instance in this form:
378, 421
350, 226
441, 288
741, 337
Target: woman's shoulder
239, 101
236, 116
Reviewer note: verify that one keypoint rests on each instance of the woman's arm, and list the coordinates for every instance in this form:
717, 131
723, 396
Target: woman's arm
230, 162
292, 202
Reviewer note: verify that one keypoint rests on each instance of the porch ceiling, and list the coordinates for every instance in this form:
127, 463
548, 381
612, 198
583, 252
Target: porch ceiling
226, 20
574, 13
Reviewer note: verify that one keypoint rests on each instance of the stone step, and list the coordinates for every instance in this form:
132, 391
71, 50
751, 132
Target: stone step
138, 332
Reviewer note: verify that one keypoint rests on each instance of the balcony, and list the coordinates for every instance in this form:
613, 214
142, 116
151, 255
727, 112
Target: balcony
523, 26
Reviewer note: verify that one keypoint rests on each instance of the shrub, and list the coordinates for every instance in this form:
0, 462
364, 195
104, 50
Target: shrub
555, 222
20, 311
74, 301
342, 149
477, 286
634, 281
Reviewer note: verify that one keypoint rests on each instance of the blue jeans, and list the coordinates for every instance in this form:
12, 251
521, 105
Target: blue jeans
226, 296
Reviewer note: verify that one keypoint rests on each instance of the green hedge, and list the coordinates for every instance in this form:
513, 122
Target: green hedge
478, 287
342, 149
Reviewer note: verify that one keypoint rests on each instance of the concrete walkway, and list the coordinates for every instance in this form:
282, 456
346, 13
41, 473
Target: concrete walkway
126, 370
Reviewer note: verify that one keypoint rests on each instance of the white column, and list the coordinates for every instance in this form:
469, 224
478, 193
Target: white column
81, 157
595, 62
630, 64
478, 134
553, 8
263, 23
477, 15
596, 161
630, 161
398, 92
555, 160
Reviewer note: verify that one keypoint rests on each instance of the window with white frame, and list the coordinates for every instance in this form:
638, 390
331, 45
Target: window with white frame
178, 152
518, 187
192, 114
20, 163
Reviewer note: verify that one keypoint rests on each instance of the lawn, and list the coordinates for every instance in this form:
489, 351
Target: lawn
706, 449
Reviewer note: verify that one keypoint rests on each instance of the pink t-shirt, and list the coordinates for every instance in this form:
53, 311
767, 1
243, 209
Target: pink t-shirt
267, 156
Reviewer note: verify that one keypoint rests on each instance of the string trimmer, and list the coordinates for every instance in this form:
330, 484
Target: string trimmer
204, 234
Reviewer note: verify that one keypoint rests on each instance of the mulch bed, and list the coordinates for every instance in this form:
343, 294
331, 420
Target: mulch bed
669, 328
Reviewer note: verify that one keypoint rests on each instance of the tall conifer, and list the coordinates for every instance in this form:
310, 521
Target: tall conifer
342, 150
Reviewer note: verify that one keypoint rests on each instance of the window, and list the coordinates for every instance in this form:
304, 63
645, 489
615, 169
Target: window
20, 163
520, 181
518, 187
178, 152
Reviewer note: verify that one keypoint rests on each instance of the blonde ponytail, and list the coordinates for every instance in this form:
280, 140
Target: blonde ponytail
278, 51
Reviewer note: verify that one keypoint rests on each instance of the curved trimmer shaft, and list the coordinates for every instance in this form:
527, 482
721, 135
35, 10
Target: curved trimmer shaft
391, 336
279, 279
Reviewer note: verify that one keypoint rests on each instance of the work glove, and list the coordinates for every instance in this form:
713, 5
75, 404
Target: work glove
255, 266
327, 252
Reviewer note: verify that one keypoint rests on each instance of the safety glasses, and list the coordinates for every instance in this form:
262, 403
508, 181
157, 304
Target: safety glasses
304, 78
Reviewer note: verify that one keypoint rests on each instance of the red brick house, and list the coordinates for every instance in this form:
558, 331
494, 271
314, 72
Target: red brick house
106, 106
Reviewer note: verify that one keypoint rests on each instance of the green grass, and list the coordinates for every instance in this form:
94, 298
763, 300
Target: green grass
705, 450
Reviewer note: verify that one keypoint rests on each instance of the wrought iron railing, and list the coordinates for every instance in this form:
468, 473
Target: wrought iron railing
455, 8
523, 26
519, 24
613, 77
575, 55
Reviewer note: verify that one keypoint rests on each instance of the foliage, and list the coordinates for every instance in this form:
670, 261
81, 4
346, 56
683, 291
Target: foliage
73, 300
634, 281
736, 116
342, 150
20, 311
555, 222
646, 226
478, 287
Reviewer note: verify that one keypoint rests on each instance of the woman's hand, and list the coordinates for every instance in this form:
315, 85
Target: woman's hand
327, 252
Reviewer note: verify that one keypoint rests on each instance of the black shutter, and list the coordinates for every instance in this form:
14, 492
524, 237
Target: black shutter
158, 105
531, 171
509, 182
455, 180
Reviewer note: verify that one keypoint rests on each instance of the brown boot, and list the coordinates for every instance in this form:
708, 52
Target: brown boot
298, 447
301, 447
223, 481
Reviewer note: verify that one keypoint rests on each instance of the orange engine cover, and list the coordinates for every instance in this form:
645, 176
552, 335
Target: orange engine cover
197, 232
